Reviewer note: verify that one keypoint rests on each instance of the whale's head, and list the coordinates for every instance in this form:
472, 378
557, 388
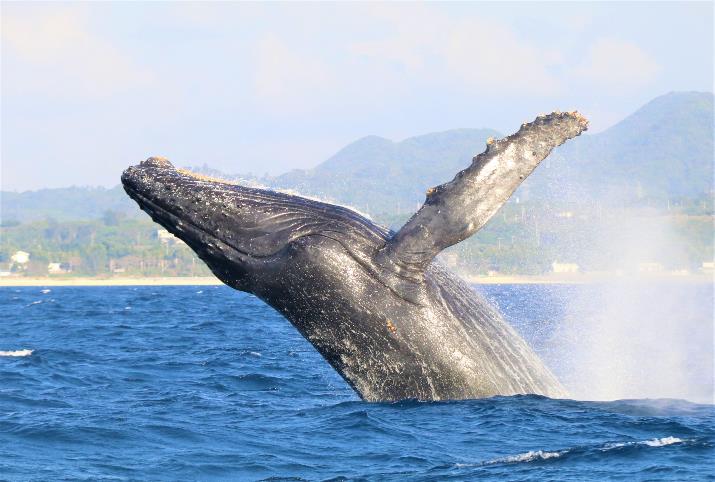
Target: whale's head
244, 232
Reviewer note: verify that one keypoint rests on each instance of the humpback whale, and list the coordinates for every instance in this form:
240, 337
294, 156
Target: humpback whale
383, 313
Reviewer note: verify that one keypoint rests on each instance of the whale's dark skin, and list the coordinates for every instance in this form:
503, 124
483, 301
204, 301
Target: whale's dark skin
391, 321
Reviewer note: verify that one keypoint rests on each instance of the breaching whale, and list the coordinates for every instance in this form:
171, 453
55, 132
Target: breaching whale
394, 323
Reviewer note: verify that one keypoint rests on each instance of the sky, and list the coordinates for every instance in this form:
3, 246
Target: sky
90, 88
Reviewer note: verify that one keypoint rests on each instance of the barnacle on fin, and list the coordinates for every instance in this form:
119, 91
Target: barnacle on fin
391, 326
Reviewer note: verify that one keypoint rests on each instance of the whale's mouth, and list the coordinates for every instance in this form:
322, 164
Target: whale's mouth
184, 229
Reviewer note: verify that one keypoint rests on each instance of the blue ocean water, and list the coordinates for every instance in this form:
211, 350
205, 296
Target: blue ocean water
206, 383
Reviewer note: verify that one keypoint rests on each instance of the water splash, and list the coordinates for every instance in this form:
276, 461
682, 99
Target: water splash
638, 335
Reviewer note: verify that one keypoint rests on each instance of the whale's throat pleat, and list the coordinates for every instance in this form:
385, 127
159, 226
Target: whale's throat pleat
271, 220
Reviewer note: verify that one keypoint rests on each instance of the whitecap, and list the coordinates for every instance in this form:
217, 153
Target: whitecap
254, 353
529, 456
660, 442
615, 445
656, 442
35, 303
199, 292
17, 353
45, 291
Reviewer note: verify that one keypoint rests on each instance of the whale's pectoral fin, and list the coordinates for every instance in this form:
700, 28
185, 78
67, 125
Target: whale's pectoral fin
454, 211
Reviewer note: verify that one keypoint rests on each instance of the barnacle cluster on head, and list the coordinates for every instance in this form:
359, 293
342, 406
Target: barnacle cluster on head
204, 177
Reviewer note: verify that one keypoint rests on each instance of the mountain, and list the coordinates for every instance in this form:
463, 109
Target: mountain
664, 150
661, 152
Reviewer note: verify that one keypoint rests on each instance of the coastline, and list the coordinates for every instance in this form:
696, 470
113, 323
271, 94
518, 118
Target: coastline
19, 281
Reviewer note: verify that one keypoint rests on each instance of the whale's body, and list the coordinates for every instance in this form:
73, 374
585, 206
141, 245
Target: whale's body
392, 322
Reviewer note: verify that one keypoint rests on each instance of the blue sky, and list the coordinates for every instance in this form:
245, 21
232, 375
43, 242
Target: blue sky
89, 88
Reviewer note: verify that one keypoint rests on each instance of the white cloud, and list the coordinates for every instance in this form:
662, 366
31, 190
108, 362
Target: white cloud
400, 50
491, 56
470, 53
52, 50
617, 64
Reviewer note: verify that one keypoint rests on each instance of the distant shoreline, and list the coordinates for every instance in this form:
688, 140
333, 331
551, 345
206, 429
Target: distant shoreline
212, 281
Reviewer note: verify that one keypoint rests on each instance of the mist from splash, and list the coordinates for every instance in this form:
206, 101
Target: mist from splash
636, 334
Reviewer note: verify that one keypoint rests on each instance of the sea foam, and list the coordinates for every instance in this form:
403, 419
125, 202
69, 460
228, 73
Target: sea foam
660, 442
529, 456
536, 455
656, 442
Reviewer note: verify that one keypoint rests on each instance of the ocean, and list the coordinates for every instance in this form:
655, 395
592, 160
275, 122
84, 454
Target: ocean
206, 383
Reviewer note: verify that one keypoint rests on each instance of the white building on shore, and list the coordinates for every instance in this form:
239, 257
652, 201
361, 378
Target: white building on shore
20, 257
58, 268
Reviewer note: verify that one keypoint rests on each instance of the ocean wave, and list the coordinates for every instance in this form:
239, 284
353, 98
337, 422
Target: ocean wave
660, 442
17, 353
656, 442
529, 456
251, 382
539, 455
